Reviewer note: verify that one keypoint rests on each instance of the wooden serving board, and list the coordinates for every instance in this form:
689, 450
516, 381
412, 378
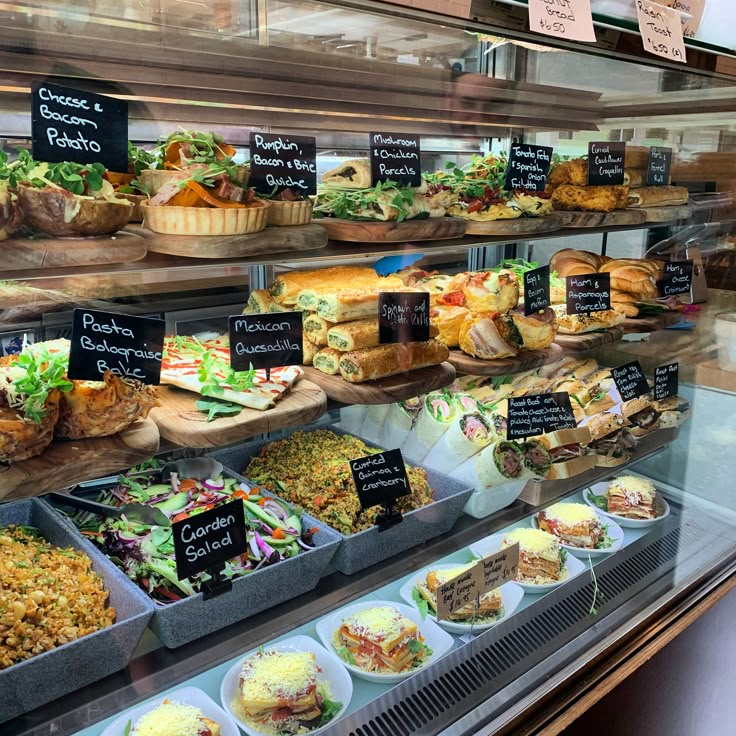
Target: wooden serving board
65, 463
357, 231
46, 252
667, 214
602, 219
179, 421
383, 390
589, 340
651, 324
270, 240
518, 226
526, 360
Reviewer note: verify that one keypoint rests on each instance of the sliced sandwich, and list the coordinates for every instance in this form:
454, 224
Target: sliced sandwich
611, 439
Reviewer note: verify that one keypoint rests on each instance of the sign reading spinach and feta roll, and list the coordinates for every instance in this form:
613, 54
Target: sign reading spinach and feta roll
403, 317
528, 167
588, 293
658, 166
396, 157
266, 340
536, 290
529, 416
121, 343
71, 125
666, 381
606, 163
677, 278
630, 380
279, 162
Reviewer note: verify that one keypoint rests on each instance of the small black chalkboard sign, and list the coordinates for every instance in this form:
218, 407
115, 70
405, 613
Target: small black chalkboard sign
379, 480
529, 416
666, 380
279, 162
396, 157
207, 541
71, 125
536, 290
528, 167
588, 293
677, 278
266, 340
126, 345
606, 163
630, 380
658, 166
403, 317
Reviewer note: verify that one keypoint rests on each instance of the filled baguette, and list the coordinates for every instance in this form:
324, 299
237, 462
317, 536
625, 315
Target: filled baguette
386, 360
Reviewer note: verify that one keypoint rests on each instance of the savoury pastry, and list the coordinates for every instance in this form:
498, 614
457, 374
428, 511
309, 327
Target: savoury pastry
259, 302
575, 324
309, 350
286, 286
327, 360
448, 320
590, 199
317, 328
386, 360
658, 196
484, 336
353, 174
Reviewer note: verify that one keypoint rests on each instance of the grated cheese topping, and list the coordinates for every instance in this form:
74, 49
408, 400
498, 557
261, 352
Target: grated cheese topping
379, 623
278, 675
170, 719
451, 572
571, 514
534, 541
633, 484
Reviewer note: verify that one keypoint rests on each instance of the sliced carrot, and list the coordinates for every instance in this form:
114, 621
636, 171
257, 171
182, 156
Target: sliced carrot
172, 155
187, 484
180, 517
241, 494
278, 533
210, 197
262, 502
227, 151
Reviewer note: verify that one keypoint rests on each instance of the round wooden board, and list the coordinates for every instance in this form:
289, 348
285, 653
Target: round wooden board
602, 219
667, 214
65, 463
179, 420
270, 240
46, 252
526, 360
651, 324
518, 226
383, 390
357, 231
589, 340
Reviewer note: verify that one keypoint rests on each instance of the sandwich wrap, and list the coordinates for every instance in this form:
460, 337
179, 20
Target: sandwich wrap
467, 436
372, 428
352, 417
398, 423
496, 464
466, 402
434, 419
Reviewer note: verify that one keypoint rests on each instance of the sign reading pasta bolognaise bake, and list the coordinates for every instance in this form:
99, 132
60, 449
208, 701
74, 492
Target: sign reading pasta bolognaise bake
606, 163
666, 380
403, 317
630, 380
71, 125
590, 292
396, 157
529, 416
266, 340
677, 278
528, 167
279, 162
121, 343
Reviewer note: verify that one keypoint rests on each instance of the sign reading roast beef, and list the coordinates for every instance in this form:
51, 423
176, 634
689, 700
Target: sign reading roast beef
606, 163
528, 167
266, 340
279, 162
666, 380
396, 157
630, 380
529, 416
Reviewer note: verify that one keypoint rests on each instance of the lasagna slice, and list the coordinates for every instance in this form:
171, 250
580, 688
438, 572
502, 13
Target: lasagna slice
632, 497
575, 524
491, 603
382, 640
540, 561
175, 719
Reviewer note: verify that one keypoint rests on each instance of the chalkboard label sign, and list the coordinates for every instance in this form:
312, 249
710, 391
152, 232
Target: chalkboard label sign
279, 162
206, 541
529, 416
528, 167
666, 380
630, 380
677, 278
396, 157
70, 125
606, 163
403, 317
536, 290
126, 345
588, 293
658, 166
266, 340
380, 479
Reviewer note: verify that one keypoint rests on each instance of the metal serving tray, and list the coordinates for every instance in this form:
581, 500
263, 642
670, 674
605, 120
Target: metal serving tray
366, 548
53, 674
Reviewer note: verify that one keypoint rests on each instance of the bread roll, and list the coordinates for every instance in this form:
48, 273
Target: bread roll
386, 360
654, 267
634, 279
658, 197
584, 256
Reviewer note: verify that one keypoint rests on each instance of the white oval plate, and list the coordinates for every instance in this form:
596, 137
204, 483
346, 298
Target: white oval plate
489, 545
437, 640
187, 695
614, 531
341, 686
511, 594
660, 505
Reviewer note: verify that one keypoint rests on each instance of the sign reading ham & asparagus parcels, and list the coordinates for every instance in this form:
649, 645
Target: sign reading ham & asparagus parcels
121, 343
661, 30
536, 290
606, 163
528, 167
677, 278
500, 567
71, 125
570, 19
462, 590
588, 293
630, 380
266, 340
666, 380
403, 317
396, 157
279, 162
529, 416
658, 166
379, 480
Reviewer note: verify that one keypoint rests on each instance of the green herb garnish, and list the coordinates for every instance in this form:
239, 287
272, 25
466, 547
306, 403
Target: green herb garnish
216, 408
127, 729
345, 654
600, 501
422, 604
330, 709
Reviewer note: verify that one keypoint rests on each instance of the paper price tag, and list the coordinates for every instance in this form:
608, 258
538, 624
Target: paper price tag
666, 380
528, 167
588, 293
266, 340
606, 163
465, 588
693, 8
396, 157
658, 166
403, 317
661, 30
536, 290
630, 380
571, 19
500, 567
529, 416
283, 162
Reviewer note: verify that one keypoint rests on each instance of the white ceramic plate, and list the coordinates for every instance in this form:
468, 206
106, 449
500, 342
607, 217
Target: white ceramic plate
614, 531
437, 640
341, 686
511, 594
489, 545
187, 695
660, 505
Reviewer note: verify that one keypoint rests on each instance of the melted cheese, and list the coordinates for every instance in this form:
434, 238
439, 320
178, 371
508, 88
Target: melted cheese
379, 623
170, 719
277, 675
451, 572
534, 541
571, 514
636, 485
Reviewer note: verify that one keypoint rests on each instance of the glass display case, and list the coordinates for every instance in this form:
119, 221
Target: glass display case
451, 391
